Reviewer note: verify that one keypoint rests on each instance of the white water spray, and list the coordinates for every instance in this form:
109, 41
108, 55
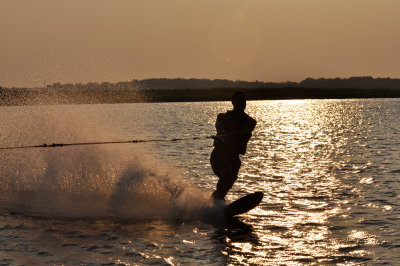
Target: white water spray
94, 182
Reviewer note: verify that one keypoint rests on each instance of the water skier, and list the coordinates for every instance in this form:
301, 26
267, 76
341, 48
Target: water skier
234, 129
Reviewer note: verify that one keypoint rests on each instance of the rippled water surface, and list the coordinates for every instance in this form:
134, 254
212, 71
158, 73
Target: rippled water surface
329, 170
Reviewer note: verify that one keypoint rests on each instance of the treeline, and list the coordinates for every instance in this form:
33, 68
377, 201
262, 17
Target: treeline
351, 83
160, 90
224, 94
179, 83
30, 96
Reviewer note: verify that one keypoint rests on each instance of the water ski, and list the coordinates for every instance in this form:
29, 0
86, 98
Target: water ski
244, 204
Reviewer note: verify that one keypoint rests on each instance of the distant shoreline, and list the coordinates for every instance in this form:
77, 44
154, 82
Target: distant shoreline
190, 90
14, 97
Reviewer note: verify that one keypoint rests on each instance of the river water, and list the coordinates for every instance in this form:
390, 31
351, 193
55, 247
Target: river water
329, 170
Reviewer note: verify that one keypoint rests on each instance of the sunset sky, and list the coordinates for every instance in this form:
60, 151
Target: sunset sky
71, 41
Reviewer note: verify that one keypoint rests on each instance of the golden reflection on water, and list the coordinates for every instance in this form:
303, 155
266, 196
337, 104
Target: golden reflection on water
303, 152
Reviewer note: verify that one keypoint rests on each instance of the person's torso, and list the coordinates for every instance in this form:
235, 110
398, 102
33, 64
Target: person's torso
232, 121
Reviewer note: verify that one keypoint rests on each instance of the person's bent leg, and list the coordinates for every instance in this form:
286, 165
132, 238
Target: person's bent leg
225, 168
227, 175
225, 183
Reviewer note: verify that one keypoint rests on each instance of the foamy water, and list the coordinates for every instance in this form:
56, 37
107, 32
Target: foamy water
328, 168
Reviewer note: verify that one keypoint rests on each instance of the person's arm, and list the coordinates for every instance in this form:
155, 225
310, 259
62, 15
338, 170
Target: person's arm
219, 125
249, 127
246, 130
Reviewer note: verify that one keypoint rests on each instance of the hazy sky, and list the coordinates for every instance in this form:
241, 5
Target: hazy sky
71, 41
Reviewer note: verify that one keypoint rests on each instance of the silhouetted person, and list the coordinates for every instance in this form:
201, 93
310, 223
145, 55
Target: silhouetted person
234, 130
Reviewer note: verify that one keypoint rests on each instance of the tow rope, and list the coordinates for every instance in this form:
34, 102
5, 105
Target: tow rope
54, 145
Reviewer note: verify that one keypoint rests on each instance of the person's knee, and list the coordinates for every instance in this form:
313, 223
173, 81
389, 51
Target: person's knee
225, 184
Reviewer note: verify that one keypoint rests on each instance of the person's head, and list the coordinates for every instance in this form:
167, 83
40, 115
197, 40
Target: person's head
239, 100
